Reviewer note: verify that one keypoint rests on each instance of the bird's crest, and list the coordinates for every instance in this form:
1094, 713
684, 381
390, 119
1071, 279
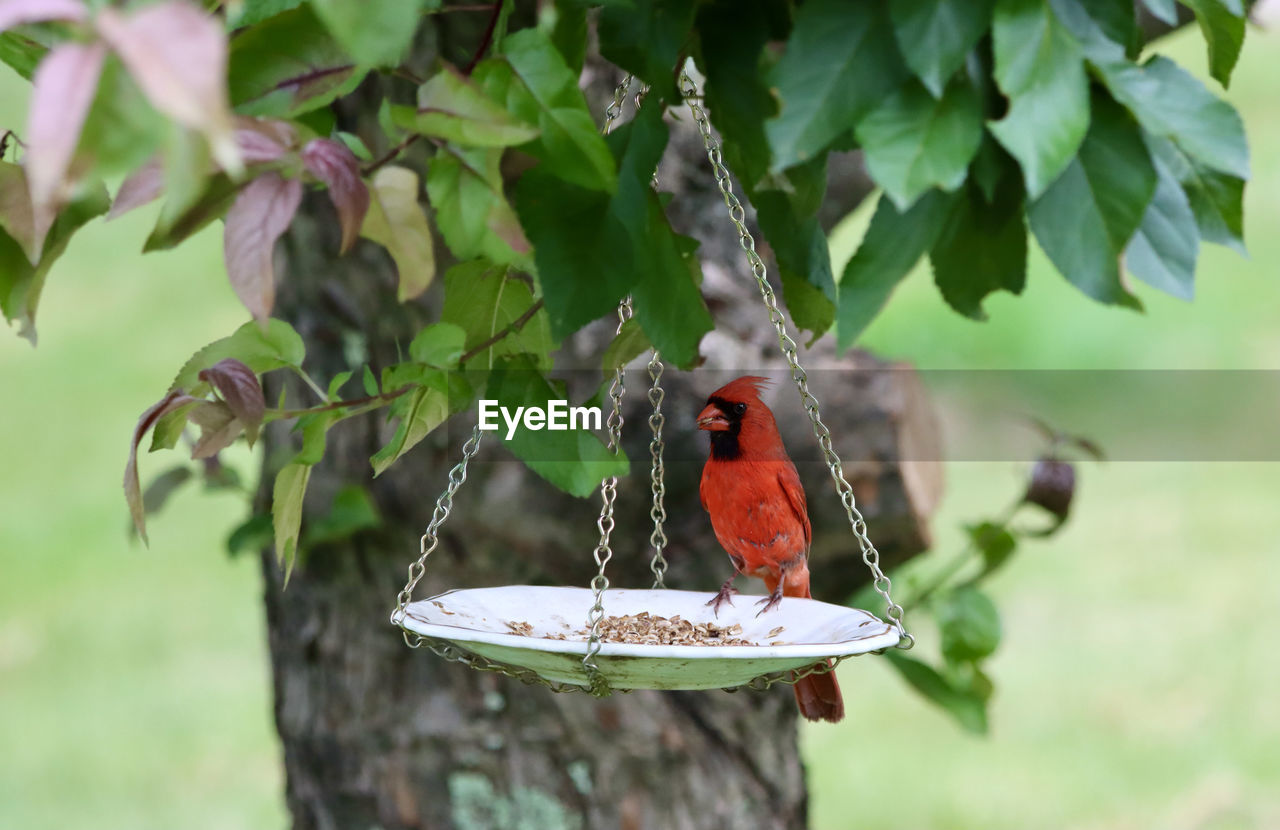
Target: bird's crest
746, 388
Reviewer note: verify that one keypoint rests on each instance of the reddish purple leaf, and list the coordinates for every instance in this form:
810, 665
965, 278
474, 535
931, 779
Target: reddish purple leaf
177, 54
335, 165
19, 12
239, 387
279, 132
62, 90
262, 140
142, 186
132, 487
262, 211
219, 427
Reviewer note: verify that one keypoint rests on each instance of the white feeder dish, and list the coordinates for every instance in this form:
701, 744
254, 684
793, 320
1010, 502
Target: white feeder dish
477, 620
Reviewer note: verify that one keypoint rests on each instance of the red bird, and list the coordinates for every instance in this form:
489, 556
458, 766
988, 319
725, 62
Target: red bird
757, 506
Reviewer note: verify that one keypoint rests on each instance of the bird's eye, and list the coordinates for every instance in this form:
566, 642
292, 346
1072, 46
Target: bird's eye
739, 408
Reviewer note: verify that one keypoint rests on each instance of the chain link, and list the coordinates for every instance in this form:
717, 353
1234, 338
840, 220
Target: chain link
657, 474
657, 471
614, 110
737, 214
603, 553
430, 539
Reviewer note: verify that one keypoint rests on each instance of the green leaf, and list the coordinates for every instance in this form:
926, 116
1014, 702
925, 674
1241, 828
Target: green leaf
983, 247
840, 62
355, 144
439, 344
1102, 26
1222, 23
21, 282
538, 87
969, 623
733, 36
484, 300
1166, 11
253, 534
786, 207
592, 250
286, 512
1085, 219
397, 222
374, 32
21, 50
337, 382
1217, 200
567, 25
176, 223
287, 65
465, 188
171, 426
121, 130
420, 411
647, 38
936, 35
314, 427
994, 542
368, 381
1163, 251
255, 11
573, 460
629, 344
913, 142
453, 108
275, 348
158, 491
965, 705
810, 309
1172, 104
352, 511
894, 242
1039, 66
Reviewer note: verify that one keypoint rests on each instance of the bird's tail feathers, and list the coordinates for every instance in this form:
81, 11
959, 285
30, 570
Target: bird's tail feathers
819, 698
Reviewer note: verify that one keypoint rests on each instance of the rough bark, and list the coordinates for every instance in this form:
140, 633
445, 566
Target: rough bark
377, 735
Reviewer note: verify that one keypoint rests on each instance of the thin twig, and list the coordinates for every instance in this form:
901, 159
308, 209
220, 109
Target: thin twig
390, 155
515, 326
473, 7
486, 40
385, 397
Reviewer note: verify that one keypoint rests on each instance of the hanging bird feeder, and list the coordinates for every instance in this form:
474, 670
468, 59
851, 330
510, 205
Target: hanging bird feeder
655, 638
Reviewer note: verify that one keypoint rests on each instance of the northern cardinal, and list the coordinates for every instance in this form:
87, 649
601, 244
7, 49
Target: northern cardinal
757, 506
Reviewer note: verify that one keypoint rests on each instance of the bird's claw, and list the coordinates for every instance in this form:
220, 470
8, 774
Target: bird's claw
722, 596
770, 602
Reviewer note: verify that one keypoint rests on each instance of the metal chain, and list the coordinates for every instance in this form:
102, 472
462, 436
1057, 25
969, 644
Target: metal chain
737, 214
657, 474
657, 471
430, 539
603, 553
614, 110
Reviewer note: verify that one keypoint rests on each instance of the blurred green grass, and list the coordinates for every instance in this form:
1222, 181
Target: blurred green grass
1136, 681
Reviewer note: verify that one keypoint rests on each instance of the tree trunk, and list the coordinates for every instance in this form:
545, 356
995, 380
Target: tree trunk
378, 735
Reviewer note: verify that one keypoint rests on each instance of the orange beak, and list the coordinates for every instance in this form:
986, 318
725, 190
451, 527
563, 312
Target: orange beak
712, 419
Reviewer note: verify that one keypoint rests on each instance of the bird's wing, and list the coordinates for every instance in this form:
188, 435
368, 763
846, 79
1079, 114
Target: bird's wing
789, 480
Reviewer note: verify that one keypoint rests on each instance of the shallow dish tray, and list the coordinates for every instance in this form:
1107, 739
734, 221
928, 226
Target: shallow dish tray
477, 620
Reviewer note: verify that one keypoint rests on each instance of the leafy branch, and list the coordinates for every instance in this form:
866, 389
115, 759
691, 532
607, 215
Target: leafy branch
515, 326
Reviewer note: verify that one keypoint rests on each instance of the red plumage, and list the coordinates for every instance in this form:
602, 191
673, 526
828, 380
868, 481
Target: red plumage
757, 506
